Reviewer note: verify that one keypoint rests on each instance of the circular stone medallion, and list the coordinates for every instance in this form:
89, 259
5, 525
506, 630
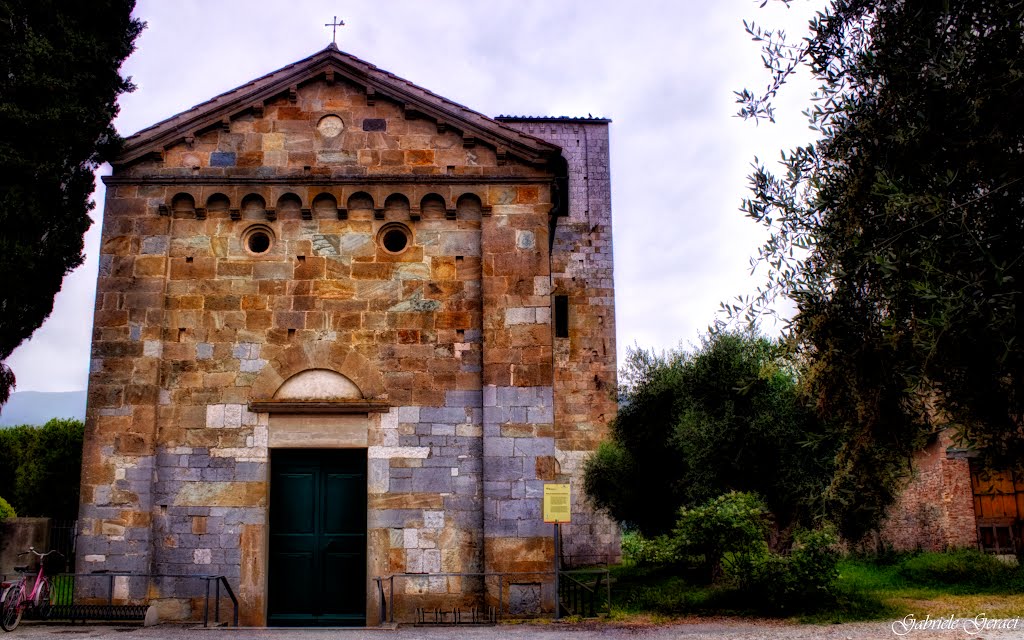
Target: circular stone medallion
330, 126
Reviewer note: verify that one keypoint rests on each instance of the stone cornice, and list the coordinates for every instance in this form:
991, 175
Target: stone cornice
321, 180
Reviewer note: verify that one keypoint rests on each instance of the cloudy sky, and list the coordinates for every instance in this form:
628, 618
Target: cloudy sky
662, 70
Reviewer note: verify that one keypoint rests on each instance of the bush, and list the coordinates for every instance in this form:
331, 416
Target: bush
736, 523
649, 551
6, 510
963, 567
802, 580
725, 541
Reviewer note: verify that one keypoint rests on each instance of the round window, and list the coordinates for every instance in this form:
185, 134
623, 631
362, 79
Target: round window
394, 238
258, 239
330, 126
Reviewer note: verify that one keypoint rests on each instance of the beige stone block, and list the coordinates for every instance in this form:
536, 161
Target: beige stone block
407, 501
317, 430
221, 494
172, 609
273, 141
253, 573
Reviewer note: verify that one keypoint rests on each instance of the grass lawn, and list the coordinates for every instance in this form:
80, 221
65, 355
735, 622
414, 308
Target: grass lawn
963, 584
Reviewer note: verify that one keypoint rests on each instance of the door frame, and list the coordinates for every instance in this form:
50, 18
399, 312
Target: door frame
265, 556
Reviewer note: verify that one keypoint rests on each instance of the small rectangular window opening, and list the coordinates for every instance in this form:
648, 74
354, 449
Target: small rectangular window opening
561, 316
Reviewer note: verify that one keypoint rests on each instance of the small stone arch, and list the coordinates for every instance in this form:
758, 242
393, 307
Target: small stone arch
469, 207
360, 204
360, 200
432, 206
318, 384
182, 205
328, 356
396, 207
218, 203
289, 205
325, 205
254, 207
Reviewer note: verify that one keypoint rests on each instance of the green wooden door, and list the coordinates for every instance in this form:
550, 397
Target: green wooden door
317, 568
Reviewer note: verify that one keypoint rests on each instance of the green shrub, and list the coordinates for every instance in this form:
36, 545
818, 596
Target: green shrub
649, 551
962, 567
734, 523
6, 510
802, 580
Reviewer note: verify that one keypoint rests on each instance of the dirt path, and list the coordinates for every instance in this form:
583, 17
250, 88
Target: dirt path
698, 630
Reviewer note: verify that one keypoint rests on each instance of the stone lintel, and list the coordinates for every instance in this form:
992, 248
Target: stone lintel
319, 406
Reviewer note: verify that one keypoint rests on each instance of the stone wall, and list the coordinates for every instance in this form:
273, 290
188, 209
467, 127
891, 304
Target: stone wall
16, 536
585, 364
935, 512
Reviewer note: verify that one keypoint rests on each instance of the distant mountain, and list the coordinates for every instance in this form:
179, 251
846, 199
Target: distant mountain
38, 407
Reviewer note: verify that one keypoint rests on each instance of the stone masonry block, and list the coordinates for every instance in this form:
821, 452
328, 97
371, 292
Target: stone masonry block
499, 447
446, 415
433, 519
388, 453
463, 398
377, 475
408, 415
503, 469
432, 480
533, 447
540, 415
215, 416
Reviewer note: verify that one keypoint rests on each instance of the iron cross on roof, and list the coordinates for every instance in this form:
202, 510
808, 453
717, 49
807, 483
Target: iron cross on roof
334, 28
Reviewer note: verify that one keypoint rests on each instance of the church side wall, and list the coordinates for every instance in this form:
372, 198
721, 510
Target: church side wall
585, 362
120, 450
517, 392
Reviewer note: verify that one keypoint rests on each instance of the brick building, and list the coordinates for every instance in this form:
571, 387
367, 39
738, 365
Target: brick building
346, 328
950, 501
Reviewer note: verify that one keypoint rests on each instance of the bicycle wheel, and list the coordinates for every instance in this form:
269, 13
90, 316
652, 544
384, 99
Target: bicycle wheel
10, 616
42, 603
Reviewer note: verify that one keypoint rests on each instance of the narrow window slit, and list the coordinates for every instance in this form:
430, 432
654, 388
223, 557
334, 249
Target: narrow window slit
561, 316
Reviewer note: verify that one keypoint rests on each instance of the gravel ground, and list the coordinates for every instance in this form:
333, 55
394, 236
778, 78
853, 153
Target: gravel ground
697, 630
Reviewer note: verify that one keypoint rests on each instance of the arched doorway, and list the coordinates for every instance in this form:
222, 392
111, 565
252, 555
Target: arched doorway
317, 540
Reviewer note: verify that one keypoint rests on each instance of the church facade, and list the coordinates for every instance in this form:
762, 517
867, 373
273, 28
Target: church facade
346, 328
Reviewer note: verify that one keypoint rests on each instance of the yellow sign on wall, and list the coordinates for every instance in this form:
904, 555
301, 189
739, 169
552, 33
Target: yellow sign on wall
557, 506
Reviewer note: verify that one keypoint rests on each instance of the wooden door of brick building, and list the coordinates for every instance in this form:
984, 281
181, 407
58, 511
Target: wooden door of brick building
998, 506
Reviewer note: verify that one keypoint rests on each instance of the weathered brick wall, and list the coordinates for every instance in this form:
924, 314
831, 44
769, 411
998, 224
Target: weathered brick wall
585, 361
454, 335
936, 510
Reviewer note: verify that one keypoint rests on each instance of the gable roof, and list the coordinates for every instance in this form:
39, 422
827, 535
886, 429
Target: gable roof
333, 63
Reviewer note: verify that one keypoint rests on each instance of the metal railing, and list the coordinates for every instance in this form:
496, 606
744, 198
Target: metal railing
217, 581
579, 598
493, 605
91, 596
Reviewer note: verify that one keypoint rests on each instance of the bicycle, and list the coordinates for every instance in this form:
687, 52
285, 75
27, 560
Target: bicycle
18, 598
